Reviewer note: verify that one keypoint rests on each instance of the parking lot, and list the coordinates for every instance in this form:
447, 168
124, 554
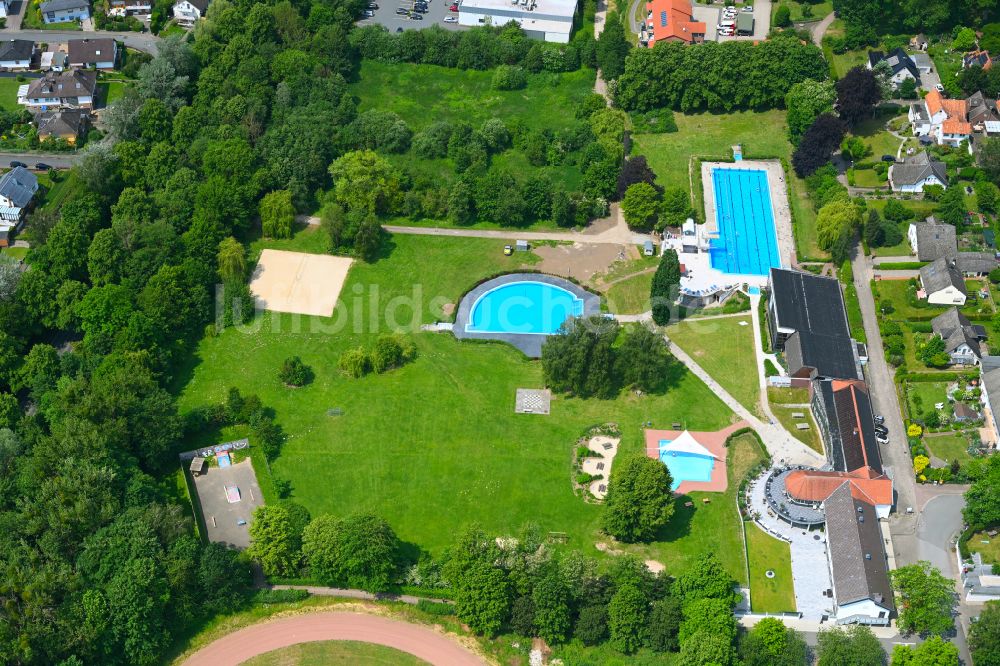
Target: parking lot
386, 15
712, 16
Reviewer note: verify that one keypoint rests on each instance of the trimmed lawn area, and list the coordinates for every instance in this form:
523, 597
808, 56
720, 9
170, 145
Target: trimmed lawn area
724, 348
8, 93
56, 193
787, 396
811, 437
867, 178
896, 292
630, 296
816, 11
425, 94
434, 446
321, 653
15, 253
922, 396
987, 546
769, 595
842, 63
708, 135
948, 63
949, 447
620, 269
879, 141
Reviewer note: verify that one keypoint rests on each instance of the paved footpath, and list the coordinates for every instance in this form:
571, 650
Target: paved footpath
422, 642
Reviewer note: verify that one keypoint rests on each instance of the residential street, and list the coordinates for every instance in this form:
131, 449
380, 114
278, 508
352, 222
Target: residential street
142, 41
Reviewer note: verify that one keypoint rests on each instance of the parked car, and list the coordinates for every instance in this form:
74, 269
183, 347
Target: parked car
748, 8
372, 5
42, 166
454, 7
416, 16
451, 19
402, 11
881, 439
369, 13
888, 158
879, 419
939, 87
15, 163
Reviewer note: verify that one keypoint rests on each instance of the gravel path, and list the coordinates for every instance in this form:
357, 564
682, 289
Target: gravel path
421, 642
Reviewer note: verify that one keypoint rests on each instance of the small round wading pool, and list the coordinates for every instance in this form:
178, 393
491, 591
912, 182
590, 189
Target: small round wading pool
525, 306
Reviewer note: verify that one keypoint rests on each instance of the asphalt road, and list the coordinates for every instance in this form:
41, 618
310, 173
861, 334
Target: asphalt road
55, 160
142, 41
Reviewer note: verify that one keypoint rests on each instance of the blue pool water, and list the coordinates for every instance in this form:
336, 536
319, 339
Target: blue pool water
747, 242
687, 466
523, 307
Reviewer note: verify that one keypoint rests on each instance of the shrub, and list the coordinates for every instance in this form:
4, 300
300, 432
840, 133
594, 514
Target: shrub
354, 362
783, 16
435, 607
509, 77
294, 372
280, 596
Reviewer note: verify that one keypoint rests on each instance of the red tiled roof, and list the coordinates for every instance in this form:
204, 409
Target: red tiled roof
955, 126
933, 101
673, 20
815, 486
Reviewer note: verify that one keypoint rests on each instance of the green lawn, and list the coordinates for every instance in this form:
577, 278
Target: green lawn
896, 292
879, 141
56, 193
425, 94
949, 447
109, 91
769, 595
433, 446
8, 93
811, 437
323, 653
987, 546
620, 269
844, 62
922, 396
817, 10
868, 178
787, 396
630, 296
947, 63
725, 349
15, 253
708, 135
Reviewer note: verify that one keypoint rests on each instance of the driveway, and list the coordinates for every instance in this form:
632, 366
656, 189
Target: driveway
15, 14
422, 642
141, 41
819, 29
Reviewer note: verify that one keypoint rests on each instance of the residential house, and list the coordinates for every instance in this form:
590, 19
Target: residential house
975, 264
900, 65
843, 413
93, 53
931, 240
129, 7
919, 42
943, 283
980, 111
961, 338
980, 582
808, 321
859, 568
963, 413
16, 54
915, 173
17, 188
989, 372
72, 89
977, 58
187, 12
68, 125
62, 11
672, 21
55, 61
943, 120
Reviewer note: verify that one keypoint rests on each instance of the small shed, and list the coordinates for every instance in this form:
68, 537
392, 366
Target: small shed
522, 246
648, 249
198, 465
744, 23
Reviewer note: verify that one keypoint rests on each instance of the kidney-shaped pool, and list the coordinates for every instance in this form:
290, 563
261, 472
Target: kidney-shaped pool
525, 306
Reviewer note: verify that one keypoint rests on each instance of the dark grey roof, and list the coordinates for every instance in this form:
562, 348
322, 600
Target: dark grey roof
828, 355
61, 85
850, 440
60, 5
807, 302
61, 123
941, 274
965, 413
934, 240
16, 49
83, 52
989, 367
857, 556
980, 109
897, 59
975, 262
914, 169
920, 112
19, 185
955, 330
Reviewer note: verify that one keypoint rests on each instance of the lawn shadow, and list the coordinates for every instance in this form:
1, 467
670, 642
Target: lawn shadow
679, 525
385, 248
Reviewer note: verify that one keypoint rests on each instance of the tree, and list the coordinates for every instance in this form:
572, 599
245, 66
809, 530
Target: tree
643, 360
783, 16
857, 94
627, 617
951, 207
676, 207
770, 642
665, 619
277, 214
663, 292
856, 646
580, 360
805, 101
965, 40
639, 500
894, 211
364, 180
836, 224
635, 170
640, 206
592, 624
989, 157
550, 597
509, 77
294, 372
926, 597
482, 597
987, 196
984, 635
706, 578
817, 144
232, 260
907, 89
274, 541
703, 648
935, 651
854, 148
360, 551
612, 47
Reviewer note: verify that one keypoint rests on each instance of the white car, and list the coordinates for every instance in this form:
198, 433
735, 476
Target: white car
748, 8
450, 19
939, 87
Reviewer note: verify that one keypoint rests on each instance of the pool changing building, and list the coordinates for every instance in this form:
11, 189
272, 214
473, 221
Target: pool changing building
551, 20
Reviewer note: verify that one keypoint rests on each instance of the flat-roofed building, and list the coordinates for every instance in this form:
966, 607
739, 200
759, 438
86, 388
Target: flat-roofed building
549, 20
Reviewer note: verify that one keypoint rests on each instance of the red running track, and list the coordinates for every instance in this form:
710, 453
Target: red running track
419, 641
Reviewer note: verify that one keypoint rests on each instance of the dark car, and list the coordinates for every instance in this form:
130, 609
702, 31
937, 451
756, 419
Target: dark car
399, 30
42, 166
15, 163
416, 16
888, 158
879, 419
402, 11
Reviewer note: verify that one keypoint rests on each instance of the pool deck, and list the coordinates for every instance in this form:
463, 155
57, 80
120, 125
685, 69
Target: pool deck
713, 441
529, 343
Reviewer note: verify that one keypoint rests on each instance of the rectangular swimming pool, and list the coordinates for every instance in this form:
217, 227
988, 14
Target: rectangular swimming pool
747, 242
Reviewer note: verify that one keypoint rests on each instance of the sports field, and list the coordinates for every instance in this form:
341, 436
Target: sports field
434, 446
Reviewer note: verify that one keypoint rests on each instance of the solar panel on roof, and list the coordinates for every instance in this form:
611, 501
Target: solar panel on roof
663, 19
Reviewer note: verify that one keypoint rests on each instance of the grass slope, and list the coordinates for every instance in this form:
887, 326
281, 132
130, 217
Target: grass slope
725, 349
433, 446
322, 653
